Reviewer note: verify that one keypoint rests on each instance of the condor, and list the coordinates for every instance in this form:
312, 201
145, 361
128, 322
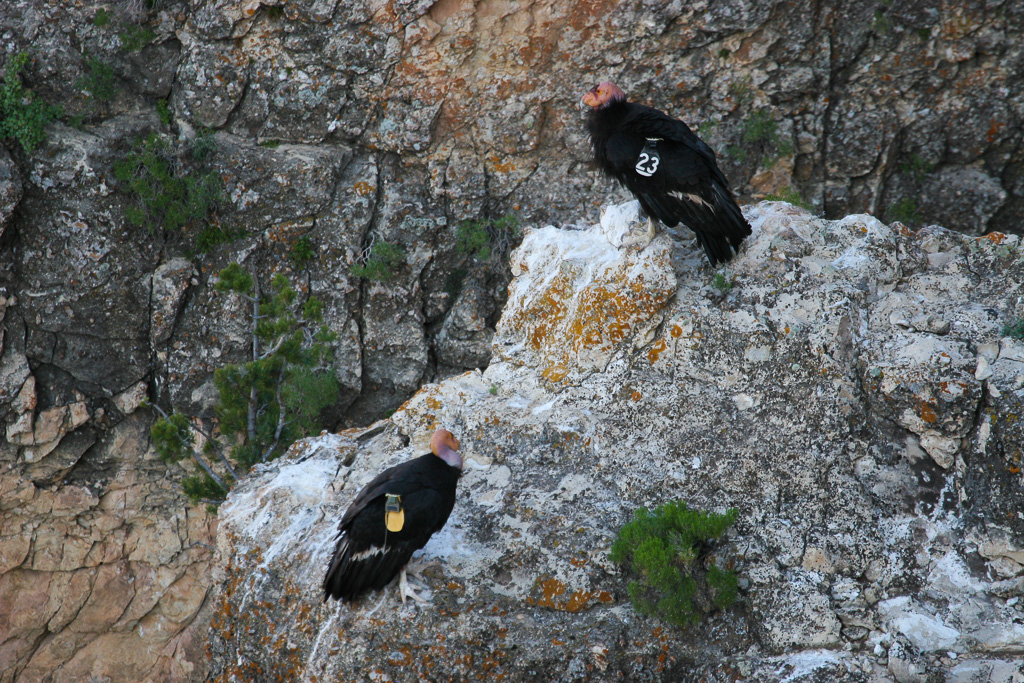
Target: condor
669, 169
391, 518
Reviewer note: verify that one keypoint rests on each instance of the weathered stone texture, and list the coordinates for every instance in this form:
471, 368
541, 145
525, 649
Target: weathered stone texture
847, 391
100, 576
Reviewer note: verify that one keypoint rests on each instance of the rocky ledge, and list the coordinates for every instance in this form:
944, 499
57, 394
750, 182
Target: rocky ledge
845, 384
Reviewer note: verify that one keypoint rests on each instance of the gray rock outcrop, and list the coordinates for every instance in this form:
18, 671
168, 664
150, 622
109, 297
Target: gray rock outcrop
847, 387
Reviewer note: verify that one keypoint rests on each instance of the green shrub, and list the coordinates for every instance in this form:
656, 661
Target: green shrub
790, 195
164, 112
165, 197
760, 129
483, 238
722, 282
302, 251
101, 19
667, 551
203, 146
212, 236
881, 23
737, 152
380, 262
707, 128
100, 81
23, 118
905, 211
1014, 329
135, 38
916, 167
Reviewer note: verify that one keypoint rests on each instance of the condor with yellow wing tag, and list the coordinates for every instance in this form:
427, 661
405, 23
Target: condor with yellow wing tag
392, 517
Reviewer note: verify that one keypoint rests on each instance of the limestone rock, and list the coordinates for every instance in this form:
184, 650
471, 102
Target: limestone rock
572, 319
170, 281
859, 554
464, 339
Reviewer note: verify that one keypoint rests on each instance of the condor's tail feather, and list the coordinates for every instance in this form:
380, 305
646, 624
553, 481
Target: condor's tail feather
353, 573
716, 220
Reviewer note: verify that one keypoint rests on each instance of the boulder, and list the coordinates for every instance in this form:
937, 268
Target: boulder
632, 377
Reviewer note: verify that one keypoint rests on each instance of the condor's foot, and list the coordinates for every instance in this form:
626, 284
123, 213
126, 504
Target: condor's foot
637, 236
405, 590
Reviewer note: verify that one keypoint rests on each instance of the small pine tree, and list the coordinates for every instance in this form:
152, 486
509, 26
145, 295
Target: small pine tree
667, 550
167, 195
481, 239
1014, 329
266, 403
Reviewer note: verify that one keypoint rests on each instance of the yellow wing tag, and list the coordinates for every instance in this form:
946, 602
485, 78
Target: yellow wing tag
394, 515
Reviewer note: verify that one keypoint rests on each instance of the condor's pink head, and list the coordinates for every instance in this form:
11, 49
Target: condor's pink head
603, 94
444, 445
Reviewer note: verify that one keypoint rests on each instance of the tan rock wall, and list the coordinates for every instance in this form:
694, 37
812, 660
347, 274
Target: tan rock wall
102, 577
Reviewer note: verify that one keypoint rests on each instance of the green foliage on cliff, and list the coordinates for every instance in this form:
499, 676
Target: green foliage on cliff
99, 80
790, 195
905, 211
722, 281
667, 553
302, 251
916, 167
760, 130
163, 110
23, 117
1014, 329
481, 239
134, 38
168, 193
277, 397
264, 404
380, 262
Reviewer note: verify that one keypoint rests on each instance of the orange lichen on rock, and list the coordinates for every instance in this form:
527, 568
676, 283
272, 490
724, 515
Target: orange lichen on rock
576, 318
655, 351
553, 595
994, 237
927, 412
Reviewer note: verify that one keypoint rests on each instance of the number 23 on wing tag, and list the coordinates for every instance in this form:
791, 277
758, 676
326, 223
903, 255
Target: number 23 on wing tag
648, 162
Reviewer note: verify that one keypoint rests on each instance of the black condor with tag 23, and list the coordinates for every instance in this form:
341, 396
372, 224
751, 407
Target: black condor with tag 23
673, 174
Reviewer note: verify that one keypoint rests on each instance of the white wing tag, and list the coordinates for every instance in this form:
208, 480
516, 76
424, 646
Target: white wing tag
649, 159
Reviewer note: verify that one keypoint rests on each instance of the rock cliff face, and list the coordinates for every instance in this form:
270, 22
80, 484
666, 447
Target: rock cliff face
352, 123
847, 388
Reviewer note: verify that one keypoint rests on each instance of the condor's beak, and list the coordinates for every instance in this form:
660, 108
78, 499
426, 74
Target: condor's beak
590, 98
